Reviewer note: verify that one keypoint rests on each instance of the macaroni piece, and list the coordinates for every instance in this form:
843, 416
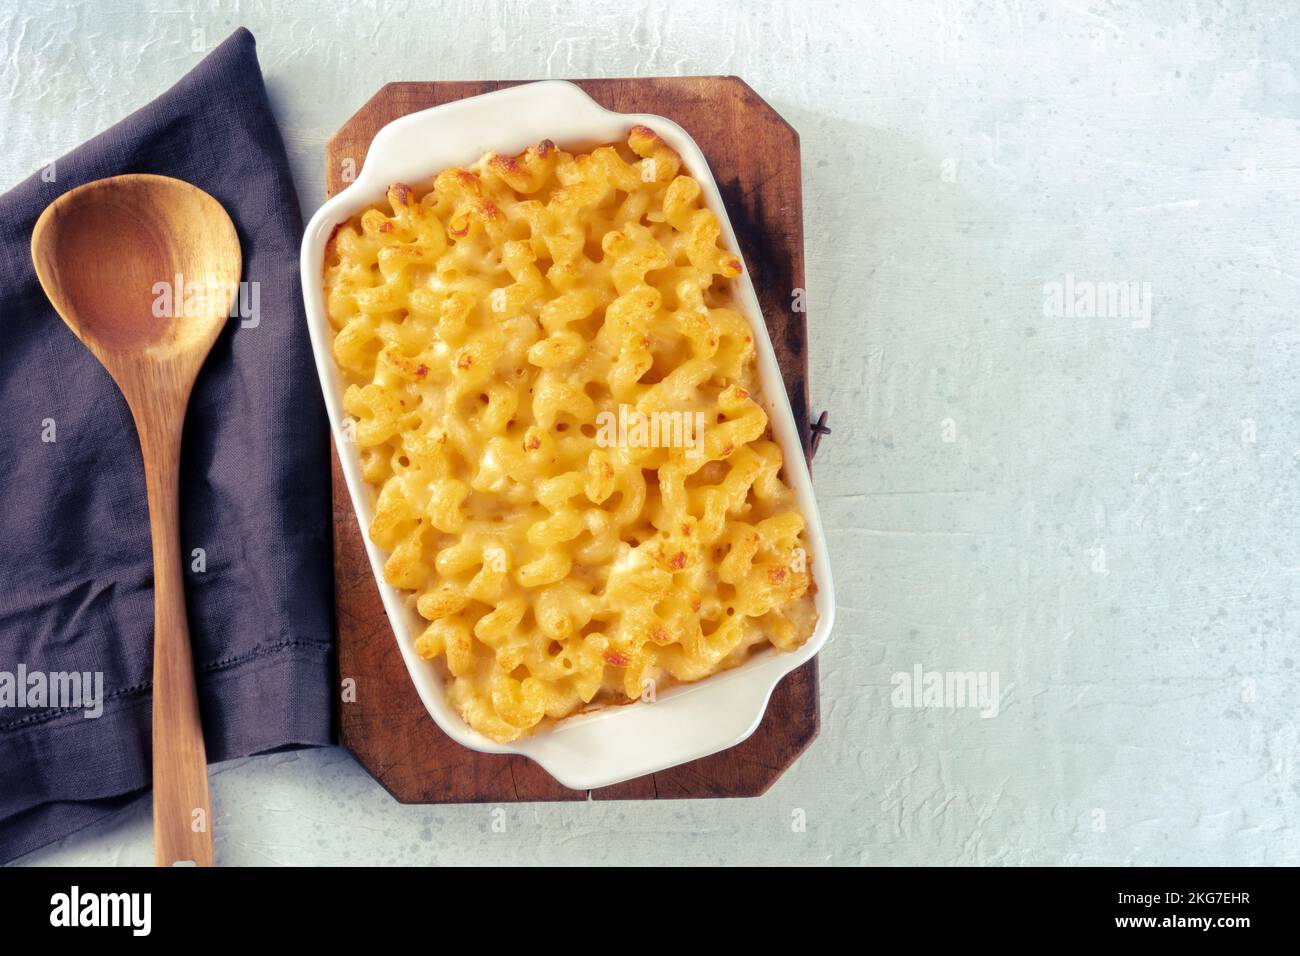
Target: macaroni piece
555, 398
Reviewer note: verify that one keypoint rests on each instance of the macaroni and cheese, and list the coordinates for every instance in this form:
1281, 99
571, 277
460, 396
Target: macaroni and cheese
557, 402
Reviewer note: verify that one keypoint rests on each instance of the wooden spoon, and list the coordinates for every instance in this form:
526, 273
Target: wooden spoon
107, 253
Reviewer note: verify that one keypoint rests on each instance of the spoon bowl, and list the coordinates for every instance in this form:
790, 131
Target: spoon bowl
143, 270
138, 263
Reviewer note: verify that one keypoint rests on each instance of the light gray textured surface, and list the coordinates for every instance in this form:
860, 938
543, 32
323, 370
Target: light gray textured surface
1102, 513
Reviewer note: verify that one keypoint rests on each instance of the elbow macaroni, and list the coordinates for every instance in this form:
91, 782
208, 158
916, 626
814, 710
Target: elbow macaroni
554, 396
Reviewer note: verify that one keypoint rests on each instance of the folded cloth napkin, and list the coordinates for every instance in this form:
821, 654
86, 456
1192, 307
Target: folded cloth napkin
75, 563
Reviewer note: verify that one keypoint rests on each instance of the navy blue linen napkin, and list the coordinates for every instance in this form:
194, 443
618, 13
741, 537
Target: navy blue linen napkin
75, 564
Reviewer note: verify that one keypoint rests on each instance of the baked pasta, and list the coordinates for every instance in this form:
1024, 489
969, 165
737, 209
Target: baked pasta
557, 404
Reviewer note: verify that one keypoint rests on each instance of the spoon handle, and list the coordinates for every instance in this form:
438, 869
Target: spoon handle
182, 808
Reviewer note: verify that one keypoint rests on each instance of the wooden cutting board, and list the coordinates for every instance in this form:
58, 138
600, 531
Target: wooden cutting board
754, 155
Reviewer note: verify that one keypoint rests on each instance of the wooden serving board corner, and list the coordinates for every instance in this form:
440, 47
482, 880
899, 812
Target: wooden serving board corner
754, 155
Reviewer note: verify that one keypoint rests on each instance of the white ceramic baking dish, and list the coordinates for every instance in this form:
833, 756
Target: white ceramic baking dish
686, 722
